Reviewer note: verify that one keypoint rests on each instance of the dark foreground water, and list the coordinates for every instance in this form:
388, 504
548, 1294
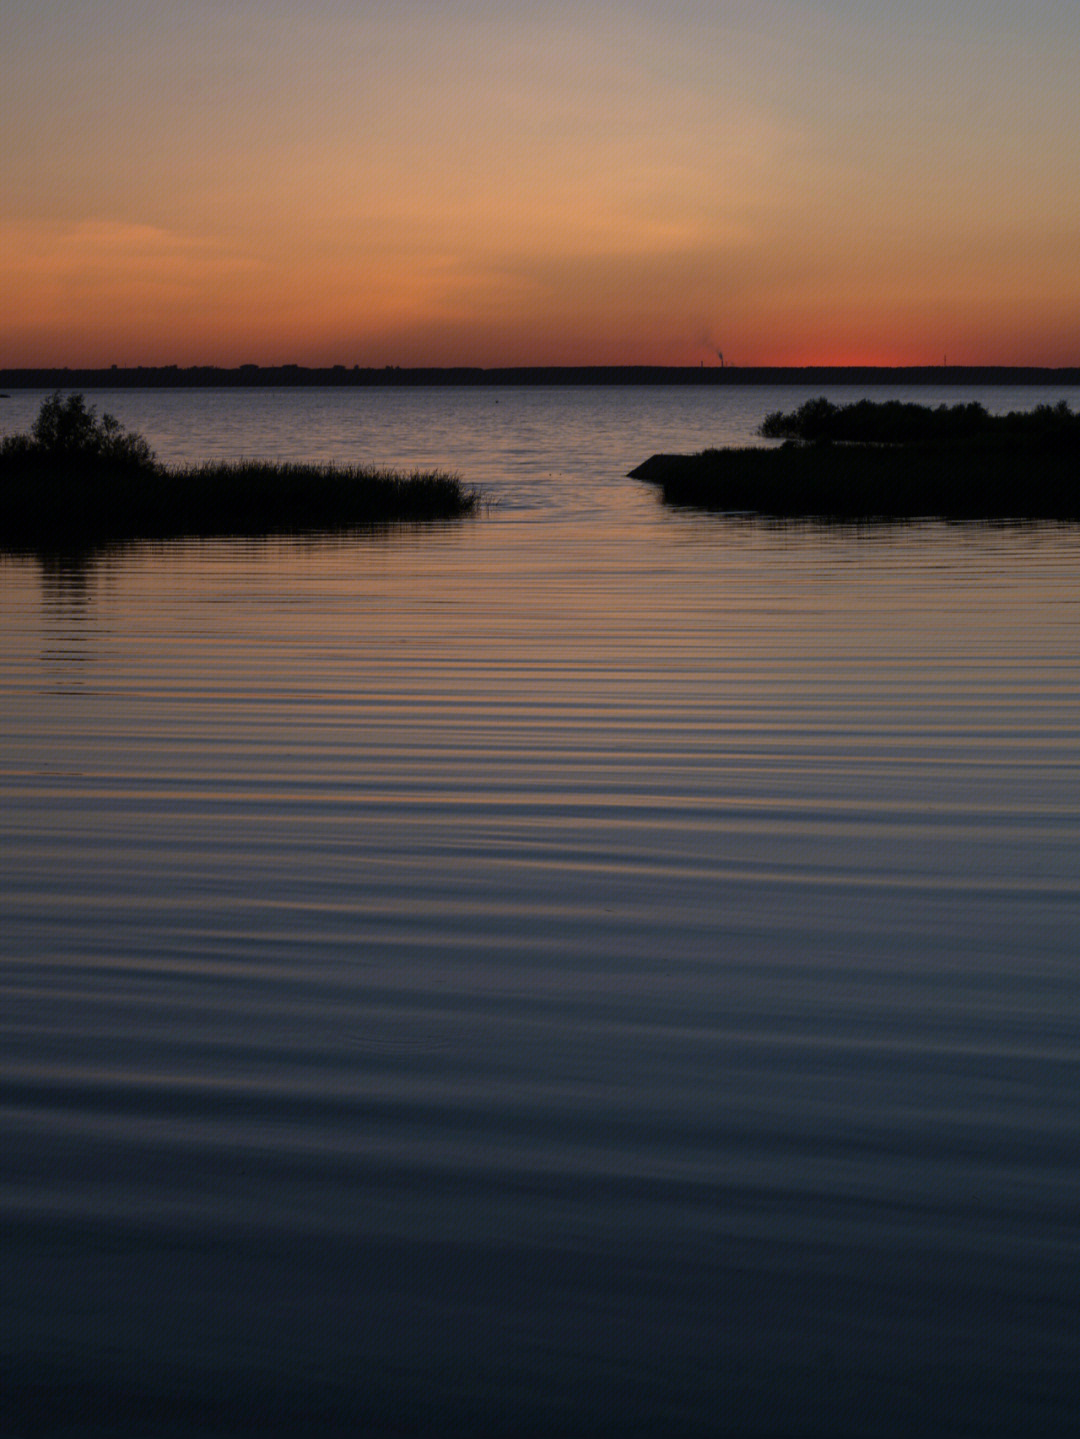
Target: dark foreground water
586, 970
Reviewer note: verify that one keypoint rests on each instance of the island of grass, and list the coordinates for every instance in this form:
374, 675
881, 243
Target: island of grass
77, 480
889, 460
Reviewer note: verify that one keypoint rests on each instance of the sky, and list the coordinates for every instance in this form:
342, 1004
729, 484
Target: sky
448, 182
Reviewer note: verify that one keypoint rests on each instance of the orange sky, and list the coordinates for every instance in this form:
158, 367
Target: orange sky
411, 183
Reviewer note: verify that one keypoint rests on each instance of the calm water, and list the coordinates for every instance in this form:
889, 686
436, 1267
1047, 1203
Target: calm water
584, 970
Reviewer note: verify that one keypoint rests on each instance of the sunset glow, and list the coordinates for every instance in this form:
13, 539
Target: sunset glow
412, 184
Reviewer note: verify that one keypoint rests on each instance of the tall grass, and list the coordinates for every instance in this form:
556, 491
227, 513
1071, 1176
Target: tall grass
76, 479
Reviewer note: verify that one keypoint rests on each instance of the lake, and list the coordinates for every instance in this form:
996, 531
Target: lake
585, 969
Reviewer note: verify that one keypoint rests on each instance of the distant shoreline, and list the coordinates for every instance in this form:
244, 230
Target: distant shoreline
299, 376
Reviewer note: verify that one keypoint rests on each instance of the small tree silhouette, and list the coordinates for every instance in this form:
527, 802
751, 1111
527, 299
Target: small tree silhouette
71, 427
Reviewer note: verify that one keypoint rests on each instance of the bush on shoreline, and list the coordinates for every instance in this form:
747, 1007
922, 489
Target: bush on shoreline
77, 479
889, 460
893, 422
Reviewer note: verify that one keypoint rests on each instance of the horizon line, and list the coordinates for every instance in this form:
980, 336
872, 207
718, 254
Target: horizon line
103, 376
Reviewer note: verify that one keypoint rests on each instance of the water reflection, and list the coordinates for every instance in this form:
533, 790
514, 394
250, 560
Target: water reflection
543, 973
67, 593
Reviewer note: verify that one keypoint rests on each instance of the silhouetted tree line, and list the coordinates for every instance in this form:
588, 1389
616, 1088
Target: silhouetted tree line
893, 422
249, 376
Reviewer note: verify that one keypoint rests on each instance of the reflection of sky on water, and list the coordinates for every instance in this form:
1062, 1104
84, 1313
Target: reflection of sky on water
66, 598
539, 949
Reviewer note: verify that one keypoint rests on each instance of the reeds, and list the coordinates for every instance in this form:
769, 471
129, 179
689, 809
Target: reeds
75, 479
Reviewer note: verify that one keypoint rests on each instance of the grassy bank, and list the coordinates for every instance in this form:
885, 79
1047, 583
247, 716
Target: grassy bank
77, 480
889, 460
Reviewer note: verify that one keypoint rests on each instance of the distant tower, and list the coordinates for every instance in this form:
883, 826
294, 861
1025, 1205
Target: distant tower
720, 353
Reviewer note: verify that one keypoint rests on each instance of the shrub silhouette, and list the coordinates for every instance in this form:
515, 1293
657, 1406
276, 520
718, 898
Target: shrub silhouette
77, 479
811, 421
70, 427
890, 459
893, 422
